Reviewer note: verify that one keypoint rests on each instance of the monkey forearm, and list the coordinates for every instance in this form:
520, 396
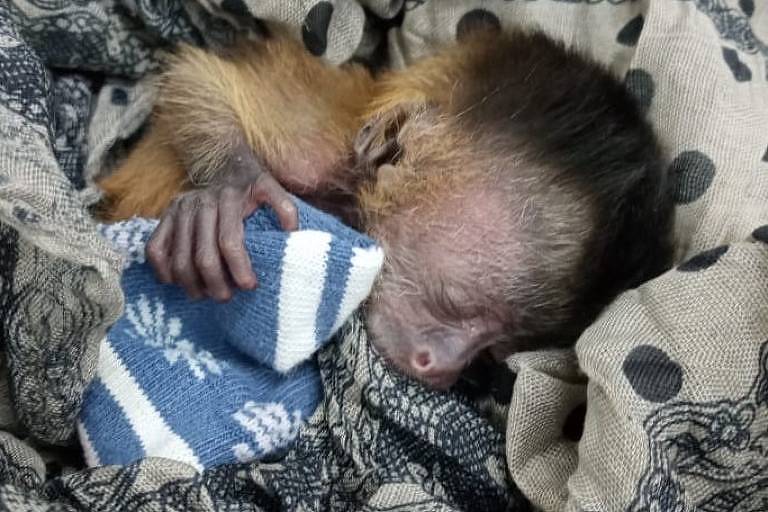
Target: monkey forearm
208, 139
297, 114
236, 164
200, 106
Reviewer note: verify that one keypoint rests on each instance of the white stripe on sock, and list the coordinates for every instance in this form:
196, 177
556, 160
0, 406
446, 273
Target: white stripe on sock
301, 289
91, 457
366, 264
149, 426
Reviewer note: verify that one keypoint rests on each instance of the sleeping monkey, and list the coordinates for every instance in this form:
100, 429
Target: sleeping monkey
514, 185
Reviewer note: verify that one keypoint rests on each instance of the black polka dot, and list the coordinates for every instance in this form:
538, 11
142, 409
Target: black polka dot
573, 427
740, 70
25, 215
761, 234
652, 374
747, 6
630, 33
119, 97
692, 172
640, 83
235, 7
765, 156
314, 30
703, 260
477, 19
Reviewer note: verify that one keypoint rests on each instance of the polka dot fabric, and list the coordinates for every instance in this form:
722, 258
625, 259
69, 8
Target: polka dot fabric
674, 374
671, 363
334, 30
662, 404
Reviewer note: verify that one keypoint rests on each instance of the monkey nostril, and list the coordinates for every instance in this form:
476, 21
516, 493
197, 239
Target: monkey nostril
422, 361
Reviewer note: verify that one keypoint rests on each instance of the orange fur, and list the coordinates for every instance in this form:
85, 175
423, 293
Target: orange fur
298, 114
145, 182
431, 80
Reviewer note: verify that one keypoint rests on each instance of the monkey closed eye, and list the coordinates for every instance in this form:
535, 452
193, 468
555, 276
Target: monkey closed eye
376, 143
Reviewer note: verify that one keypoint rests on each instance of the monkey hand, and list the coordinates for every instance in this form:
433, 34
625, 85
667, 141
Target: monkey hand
199, 243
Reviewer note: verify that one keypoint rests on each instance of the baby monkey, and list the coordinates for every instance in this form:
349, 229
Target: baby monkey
513, 183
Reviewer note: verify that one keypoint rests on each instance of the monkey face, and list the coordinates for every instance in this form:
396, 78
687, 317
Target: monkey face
431, 321
441, 298
468, 277
427, 337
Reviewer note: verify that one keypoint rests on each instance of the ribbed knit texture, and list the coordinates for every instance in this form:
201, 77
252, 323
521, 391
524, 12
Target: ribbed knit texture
208, 383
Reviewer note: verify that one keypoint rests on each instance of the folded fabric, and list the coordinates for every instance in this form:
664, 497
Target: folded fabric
207, 383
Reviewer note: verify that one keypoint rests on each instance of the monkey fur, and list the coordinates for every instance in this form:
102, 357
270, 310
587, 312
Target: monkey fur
514, 184
298, 114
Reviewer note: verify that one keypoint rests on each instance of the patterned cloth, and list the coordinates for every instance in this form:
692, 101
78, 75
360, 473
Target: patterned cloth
206, 383
673, 374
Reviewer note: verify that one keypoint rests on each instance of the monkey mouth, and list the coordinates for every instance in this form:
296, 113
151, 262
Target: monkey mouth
439, 382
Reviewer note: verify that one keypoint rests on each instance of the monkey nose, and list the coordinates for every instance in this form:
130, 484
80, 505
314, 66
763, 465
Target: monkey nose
422, 361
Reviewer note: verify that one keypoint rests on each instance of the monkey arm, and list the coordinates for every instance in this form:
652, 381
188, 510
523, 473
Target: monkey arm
203, 132
240, 130
198, 104
295, 112
248, 126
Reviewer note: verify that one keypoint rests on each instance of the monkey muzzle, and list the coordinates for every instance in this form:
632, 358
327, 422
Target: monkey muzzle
436, 356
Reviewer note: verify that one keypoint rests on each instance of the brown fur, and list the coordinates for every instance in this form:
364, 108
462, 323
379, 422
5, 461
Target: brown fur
433, 80
145, 182
297, 113
510, 181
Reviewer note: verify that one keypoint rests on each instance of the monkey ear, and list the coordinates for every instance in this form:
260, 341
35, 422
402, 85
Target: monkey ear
377, 142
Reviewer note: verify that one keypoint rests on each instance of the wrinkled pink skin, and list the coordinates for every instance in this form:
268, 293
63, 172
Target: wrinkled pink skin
424, 347
440, 299
433, 350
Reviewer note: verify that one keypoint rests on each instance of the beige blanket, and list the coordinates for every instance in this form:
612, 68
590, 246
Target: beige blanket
672, 379
675, 374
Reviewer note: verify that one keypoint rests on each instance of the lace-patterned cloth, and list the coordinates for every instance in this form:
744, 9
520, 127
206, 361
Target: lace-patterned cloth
675, 397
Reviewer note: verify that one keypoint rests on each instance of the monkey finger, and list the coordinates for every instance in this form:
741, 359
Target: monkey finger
267, 190
231, 240
158, 247
184, 271
207, 256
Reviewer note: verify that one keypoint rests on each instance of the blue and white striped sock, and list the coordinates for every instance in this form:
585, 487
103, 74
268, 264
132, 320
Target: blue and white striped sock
207, 383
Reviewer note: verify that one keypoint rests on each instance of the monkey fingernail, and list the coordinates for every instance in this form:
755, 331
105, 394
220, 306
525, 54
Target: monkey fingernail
287, 206
251, 283
290, 216
223, 297
244, 280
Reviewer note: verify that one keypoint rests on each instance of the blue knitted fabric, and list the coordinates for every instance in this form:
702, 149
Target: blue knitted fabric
207, 383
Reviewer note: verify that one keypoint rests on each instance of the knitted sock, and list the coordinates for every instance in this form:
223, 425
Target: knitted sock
207, 383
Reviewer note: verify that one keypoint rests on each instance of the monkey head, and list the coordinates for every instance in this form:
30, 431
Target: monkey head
510, 213
481, 248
